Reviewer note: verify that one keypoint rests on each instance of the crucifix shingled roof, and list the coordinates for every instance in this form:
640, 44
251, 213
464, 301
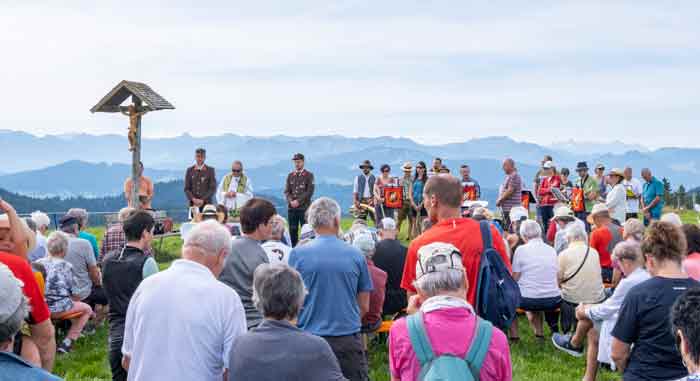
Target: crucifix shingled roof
143, 100
152, 101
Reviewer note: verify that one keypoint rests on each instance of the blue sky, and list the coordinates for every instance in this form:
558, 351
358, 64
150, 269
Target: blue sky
433, 71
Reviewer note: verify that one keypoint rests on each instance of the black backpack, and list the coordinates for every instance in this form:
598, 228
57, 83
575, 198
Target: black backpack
497, 294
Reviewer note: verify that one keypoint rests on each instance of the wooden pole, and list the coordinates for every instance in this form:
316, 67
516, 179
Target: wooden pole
136, 158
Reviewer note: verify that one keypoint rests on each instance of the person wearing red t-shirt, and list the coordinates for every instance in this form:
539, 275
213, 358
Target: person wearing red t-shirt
604, 237
42, 329
442, 198
546, 198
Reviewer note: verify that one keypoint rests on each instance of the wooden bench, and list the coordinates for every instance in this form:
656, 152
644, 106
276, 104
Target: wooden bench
62, 323
521, 311
385, 327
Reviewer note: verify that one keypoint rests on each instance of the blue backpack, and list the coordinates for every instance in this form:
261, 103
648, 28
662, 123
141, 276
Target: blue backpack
497, 294
449, 367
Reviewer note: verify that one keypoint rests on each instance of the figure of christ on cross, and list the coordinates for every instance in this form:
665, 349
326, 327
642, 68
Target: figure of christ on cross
133, 124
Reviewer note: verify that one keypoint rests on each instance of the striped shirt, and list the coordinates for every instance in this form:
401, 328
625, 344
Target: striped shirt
514, 182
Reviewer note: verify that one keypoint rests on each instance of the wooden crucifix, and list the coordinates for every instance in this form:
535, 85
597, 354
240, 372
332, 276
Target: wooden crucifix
135, 111
143, 100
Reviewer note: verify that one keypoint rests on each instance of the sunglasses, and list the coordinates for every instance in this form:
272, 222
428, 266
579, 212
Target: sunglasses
600, 169
236, 170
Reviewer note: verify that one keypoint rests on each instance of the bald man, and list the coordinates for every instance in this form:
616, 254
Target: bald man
510, 193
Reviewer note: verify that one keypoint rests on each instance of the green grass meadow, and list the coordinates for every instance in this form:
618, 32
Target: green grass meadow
531, 361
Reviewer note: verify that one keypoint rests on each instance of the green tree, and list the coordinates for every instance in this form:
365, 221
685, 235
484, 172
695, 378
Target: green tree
668, 192
681, 196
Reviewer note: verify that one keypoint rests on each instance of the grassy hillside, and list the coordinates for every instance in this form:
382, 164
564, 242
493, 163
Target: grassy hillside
531, 361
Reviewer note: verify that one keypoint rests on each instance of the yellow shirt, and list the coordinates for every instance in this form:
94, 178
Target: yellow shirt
145, 190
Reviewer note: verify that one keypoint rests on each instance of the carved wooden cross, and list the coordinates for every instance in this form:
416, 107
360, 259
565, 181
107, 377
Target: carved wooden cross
143, 99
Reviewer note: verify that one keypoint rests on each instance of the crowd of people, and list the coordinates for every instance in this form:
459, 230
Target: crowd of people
598, 269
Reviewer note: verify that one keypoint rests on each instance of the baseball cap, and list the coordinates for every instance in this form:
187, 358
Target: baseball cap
599, 166
548, 165
209, 210
437, 257
10, 293
298, 156
388, 223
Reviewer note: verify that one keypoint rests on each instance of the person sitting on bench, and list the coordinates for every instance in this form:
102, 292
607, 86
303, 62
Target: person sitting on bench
61, 296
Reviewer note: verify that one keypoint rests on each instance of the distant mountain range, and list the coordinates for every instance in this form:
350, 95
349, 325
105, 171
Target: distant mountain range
95, 166
596, 148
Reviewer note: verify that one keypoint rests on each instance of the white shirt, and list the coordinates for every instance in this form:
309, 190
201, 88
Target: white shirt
616, 201
633, 187
608, 311
610, 307
276, 251
181, 324
538, 266
366, 193
234, 202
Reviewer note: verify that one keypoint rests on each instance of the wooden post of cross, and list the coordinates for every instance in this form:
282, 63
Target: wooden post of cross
136, 155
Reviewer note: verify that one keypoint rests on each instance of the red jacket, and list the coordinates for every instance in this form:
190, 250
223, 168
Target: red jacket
545, 190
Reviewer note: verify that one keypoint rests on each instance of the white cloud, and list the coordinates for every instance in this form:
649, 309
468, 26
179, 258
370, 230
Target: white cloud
456, 70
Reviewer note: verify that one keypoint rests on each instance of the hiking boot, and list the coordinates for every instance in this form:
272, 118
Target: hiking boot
65, 347
563, 343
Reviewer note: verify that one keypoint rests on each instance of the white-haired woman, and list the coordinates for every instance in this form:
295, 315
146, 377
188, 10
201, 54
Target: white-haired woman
579, 275
373, 318
596, 321
449, 321
276, 250
60, 289
535, 269
632, 231
42, 222
277, 349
